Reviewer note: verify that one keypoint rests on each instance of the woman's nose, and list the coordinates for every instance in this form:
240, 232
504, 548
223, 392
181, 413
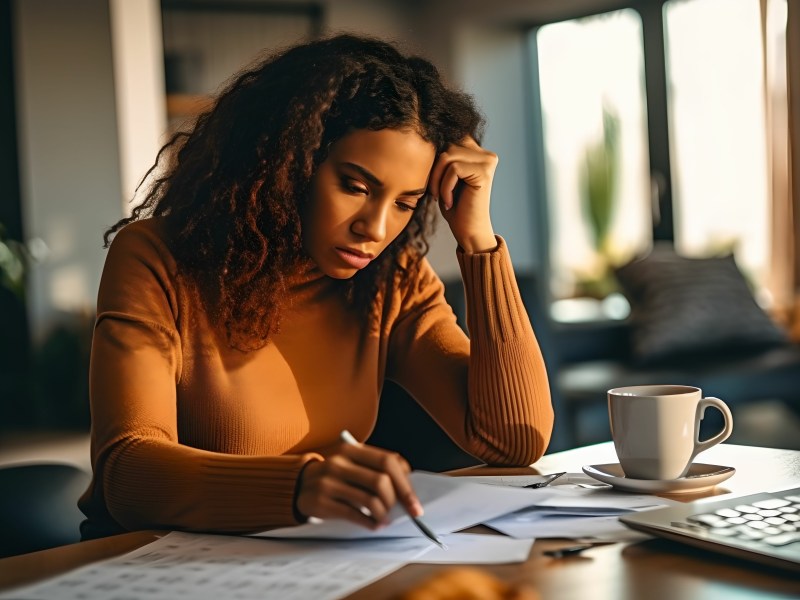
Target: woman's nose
370, 222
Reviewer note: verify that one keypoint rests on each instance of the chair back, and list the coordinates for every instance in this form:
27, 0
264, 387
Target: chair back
38, 506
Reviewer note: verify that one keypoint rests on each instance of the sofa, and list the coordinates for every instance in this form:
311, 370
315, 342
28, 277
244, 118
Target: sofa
585, 360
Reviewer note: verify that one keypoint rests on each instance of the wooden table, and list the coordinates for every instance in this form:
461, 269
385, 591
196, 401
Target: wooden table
652, 569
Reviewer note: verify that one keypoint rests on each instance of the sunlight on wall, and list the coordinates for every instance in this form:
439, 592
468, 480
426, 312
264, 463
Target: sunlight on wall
717, 119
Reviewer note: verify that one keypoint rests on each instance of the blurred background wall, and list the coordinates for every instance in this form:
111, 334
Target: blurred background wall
91, 89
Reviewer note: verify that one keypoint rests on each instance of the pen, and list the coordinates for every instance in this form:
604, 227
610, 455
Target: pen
568, 551
550, 479
348, 438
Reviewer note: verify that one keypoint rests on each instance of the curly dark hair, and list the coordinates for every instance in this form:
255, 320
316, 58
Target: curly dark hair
232, 188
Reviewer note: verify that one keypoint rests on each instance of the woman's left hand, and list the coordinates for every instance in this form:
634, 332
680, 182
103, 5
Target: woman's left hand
461, 180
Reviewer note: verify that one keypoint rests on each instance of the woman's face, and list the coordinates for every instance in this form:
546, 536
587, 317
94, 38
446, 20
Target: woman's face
363, 196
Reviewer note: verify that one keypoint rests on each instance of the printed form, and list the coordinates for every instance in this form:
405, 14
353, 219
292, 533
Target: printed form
212, 567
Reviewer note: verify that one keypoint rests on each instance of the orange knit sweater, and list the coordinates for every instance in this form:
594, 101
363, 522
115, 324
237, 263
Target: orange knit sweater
188, 433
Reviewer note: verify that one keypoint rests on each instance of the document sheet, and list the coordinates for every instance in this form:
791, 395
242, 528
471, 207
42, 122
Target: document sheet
215, 567
211, 567
450, 504
570, 512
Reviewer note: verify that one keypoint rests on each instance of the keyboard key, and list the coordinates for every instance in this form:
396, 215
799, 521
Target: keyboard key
724, 531
757, 525
690, 526
793, 498
754, 517
782, 539
772, 530
769, 513
774, 520
788, 527
709, 519
751, 534
772, 503
746, 508
736, 520
791, 517
728, 512
788, 510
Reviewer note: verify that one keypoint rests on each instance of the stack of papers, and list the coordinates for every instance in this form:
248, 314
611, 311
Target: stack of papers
450, 505
567, 511
330, 559
455, 503
210, 567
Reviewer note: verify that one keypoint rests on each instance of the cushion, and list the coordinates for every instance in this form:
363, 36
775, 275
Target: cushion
682, 307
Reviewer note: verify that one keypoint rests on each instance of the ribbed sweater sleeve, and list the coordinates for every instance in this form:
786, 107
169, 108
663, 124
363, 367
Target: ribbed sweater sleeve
153, 483
508, 384
490, 393
144, 476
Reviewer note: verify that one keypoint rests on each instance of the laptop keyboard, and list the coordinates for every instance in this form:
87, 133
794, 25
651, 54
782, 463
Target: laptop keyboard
772, 522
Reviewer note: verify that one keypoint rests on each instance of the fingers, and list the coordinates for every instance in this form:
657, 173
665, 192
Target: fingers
388, 475
358, 483
453, 174
466, 162
343, 501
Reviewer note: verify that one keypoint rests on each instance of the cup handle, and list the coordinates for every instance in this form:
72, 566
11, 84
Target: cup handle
722, 435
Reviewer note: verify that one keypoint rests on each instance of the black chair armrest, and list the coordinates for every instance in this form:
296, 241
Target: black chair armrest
591, 340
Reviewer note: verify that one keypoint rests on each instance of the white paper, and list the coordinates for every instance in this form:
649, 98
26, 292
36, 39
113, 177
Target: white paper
598, 528
507, 480
573, 512
597, 501
526, 480
469, 548
211, 567
450, 505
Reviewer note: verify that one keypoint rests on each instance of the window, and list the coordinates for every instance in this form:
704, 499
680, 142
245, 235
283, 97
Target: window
655, 129
594, 125
718, 141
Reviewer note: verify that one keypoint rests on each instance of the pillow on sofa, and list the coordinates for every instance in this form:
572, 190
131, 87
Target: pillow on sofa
686, 306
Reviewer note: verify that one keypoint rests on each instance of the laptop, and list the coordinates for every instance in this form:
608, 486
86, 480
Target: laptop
762, 527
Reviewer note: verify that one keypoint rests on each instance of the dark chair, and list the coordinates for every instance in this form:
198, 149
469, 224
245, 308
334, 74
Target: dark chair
405, 427
585, 360
38, 506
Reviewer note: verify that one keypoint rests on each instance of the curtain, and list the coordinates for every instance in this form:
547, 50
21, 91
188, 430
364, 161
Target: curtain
793, 81
780, 29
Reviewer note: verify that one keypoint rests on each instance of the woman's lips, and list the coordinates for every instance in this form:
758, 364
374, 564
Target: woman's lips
354, 258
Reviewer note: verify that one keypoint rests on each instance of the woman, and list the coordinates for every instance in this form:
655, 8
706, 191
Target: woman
252, 306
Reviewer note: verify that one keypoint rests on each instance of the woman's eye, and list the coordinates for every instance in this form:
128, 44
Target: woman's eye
405, 207
353, 187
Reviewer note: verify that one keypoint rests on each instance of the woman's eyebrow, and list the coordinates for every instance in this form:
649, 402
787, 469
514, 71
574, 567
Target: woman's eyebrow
366, 174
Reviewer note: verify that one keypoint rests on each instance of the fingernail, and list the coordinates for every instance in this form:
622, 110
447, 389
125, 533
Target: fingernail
417, 509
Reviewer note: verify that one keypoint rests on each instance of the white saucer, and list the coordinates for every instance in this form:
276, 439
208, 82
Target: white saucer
700, 477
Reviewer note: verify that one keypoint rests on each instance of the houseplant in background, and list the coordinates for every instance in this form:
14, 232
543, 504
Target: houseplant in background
14, 345
13, 259
44, 386
598, 186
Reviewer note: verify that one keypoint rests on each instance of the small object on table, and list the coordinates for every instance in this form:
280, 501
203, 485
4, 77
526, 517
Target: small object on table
550, 479
468, 583
568, 550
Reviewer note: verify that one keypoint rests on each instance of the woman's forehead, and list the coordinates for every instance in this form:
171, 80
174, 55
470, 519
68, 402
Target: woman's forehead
391, 155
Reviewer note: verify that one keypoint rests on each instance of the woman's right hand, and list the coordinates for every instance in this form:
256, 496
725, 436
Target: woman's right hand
358, 483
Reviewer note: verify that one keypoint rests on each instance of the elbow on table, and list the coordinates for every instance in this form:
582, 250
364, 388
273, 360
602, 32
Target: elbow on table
520, 445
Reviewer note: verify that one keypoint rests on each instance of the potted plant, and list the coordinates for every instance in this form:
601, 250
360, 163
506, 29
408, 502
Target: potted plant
598, 184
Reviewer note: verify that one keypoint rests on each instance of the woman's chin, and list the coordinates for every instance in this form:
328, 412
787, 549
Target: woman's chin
341, 273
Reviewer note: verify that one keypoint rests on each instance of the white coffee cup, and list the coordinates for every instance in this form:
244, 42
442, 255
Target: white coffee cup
656, 428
